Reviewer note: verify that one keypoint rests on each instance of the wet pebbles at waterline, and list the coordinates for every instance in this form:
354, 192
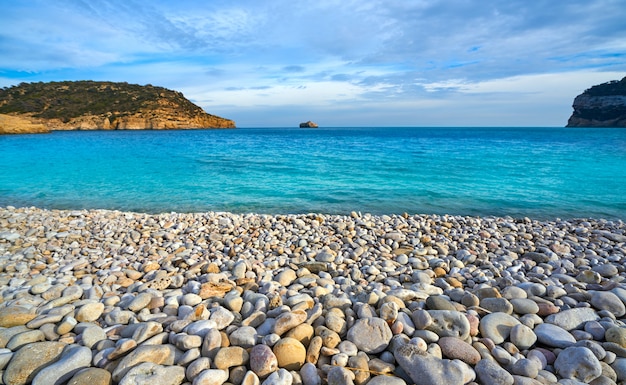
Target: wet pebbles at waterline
107, 297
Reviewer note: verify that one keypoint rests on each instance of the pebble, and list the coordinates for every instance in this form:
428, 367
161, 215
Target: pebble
312, 299
578, 363
497, 326
554, 336
370, 335
424, 368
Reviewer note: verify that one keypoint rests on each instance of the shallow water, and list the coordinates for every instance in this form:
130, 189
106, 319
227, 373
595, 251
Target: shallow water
535, 172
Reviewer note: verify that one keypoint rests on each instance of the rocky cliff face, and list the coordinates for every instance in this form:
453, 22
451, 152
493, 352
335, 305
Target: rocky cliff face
603, 105
88, 105
18, 125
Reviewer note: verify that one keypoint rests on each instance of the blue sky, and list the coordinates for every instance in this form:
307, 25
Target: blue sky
338, 63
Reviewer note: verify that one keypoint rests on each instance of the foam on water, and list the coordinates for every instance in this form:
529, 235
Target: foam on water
536, 172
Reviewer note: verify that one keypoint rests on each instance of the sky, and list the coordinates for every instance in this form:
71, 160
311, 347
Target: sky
276, 63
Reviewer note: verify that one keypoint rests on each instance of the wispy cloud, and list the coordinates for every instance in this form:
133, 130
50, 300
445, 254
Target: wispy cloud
426, 62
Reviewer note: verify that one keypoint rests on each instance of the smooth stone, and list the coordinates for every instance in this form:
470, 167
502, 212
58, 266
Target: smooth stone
522, 336
15, 316
448, 323
139, 302
211, 343
222, 317
290, 353
619, 366
452, 347
524, 306
280, 377
149, 373
289, 320
606, 300
250, 379
438, 302
425, 369
497, 305
571, 319
91, 376
286, 277
371, 335
157, 354
196, 367
303, 333
211, 377
554, 336
7, 333
338, 375
360, 363
244, 336
73, 358
526, 368
386, 380
263, 361
228, 357
617, 335
22, 368
89, 312
186, 341
25, 338
91, 335
310, 375
497, 326
578, 363
489, 372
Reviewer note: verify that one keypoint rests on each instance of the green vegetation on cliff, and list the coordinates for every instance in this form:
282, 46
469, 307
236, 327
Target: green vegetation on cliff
68, 101
614, 87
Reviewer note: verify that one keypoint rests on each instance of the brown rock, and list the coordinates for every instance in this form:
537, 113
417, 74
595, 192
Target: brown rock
290, 353
15, 316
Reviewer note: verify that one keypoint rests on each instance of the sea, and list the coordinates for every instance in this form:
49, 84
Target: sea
540, 172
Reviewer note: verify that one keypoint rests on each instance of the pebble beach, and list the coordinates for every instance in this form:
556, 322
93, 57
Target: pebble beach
98, 297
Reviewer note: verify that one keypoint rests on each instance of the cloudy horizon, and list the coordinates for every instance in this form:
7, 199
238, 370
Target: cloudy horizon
348, 63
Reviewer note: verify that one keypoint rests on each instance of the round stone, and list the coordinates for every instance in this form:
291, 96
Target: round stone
497, 326
453, 347
228, 357
605, 300
371, 335
554, 336
290, 353
578, 363
263, 361
522, 336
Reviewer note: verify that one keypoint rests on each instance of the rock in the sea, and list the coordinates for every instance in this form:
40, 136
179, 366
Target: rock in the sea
308, 124
425, 369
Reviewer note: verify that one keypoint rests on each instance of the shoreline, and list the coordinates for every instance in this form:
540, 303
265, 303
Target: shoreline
215, 297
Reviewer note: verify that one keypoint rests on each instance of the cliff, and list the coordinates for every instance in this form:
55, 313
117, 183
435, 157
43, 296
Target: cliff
89, 105
602, 105
308, 124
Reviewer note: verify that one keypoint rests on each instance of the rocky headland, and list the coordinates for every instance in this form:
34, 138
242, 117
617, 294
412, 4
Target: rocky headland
105, 297
603, 105
90, 105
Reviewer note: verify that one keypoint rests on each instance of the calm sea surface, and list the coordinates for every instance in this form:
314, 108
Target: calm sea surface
537, 172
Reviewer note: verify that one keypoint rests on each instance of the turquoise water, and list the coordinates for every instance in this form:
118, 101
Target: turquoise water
535, 172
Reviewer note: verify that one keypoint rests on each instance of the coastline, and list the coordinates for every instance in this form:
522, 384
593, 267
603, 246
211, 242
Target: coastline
312, 298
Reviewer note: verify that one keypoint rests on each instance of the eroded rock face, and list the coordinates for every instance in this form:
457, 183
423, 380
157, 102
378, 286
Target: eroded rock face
603, 105
88, 105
